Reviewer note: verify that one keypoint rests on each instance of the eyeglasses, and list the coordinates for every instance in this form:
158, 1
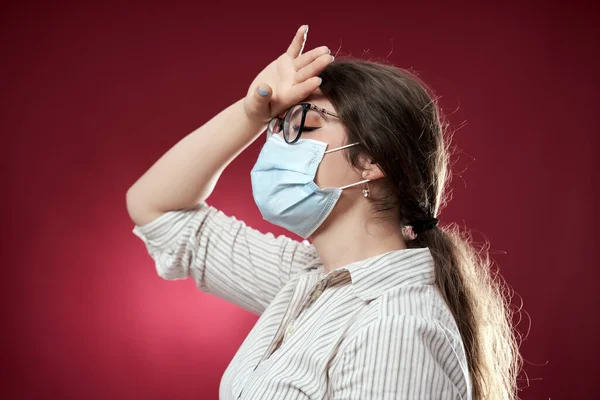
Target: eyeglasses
293, 121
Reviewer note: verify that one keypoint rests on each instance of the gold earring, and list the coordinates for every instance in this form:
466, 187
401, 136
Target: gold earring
365, 191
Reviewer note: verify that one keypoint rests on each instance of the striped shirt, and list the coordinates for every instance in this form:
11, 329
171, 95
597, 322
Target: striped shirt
377, 328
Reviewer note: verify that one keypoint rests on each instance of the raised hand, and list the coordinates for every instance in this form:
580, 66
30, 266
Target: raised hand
286, 80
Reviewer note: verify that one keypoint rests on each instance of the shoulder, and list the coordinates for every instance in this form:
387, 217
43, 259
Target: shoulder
418, 316
420, 301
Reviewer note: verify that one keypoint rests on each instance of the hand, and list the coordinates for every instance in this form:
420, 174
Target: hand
287, 80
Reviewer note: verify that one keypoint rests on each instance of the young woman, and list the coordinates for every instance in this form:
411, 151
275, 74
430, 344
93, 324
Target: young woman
383, 303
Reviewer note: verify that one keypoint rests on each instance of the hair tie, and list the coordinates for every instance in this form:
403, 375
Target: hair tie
412, 229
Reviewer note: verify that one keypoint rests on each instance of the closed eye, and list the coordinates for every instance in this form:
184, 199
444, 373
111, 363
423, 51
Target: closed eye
309, 129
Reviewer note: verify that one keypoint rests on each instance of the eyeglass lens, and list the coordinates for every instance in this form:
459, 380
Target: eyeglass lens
292, 123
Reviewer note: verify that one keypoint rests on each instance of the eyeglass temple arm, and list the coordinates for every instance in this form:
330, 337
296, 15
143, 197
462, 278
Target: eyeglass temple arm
315, 107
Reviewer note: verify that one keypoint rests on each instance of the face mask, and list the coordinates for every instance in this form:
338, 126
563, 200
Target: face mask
283, 184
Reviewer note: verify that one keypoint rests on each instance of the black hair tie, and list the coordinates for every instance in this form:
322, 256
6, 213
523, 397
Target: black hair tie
424, 225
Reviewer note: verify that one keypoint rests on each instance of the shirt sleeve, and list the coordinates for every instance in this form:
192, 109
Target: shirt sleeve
400, 357
223, 255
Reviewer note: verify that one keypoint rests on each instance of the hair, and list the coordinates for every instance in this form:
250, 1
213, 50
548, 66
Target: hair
396, 119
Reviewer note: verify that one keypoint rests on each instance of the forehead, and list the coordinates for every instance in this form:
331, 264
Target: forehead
318, 99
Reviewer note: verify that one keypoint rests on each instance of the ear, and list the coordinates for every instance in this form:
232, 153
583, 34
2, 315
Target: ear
371, 170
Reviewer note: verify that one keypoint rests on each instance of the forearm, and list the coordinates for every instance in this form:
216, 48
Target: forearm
188, 172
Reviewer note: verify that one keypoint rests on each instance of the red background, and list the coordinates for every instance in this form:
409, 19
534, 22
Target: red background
94, 94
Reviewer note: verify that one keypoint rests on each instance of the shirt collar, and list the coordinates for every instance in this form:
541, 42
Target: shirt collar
375, 275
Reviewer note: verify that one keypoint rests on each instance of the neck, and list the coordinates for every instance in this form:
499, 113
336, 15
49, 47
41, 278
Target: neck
350, 234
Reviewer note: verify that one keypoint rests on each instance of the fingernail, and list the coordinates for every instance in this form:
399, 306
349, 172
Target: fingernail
306, 31
262, 92
332, 58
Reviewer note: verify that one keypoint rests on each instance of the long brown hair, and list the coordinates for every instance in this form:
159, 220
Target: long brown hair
395, 117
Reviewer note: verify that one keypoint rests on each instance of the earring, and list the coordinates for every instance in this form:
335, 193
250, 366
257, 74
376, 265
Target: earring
365, 191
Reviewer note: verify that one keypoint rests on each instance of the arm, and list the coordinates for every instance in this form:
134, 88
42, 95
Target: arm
223, 255
399, 357
184, 235
187, 173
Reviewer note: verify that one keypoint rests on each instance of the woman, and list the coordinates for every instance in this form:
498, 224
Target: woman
383, 303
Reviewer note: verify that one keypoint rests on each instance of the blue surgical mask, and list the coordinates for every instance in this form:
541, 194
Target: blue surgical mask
283, 184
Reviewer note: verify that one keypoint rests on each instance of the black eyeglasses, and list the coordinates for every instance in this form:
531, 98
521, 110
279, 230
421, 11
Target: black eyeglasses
293, 122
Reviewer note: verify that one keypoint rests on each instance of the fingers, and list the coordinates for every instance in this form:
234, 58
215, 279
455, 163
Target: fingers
309, 57
257, 106
297, 44
314, 68
263, 92
302, 90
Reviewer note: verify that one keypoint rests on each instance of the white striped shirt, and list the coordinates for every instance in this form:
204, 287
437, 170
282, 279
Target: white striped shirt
374, 329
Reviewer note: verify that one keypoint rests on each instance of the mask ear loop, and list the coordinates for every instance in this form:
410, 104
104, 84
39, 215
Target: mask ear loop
343, 147
352, 184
